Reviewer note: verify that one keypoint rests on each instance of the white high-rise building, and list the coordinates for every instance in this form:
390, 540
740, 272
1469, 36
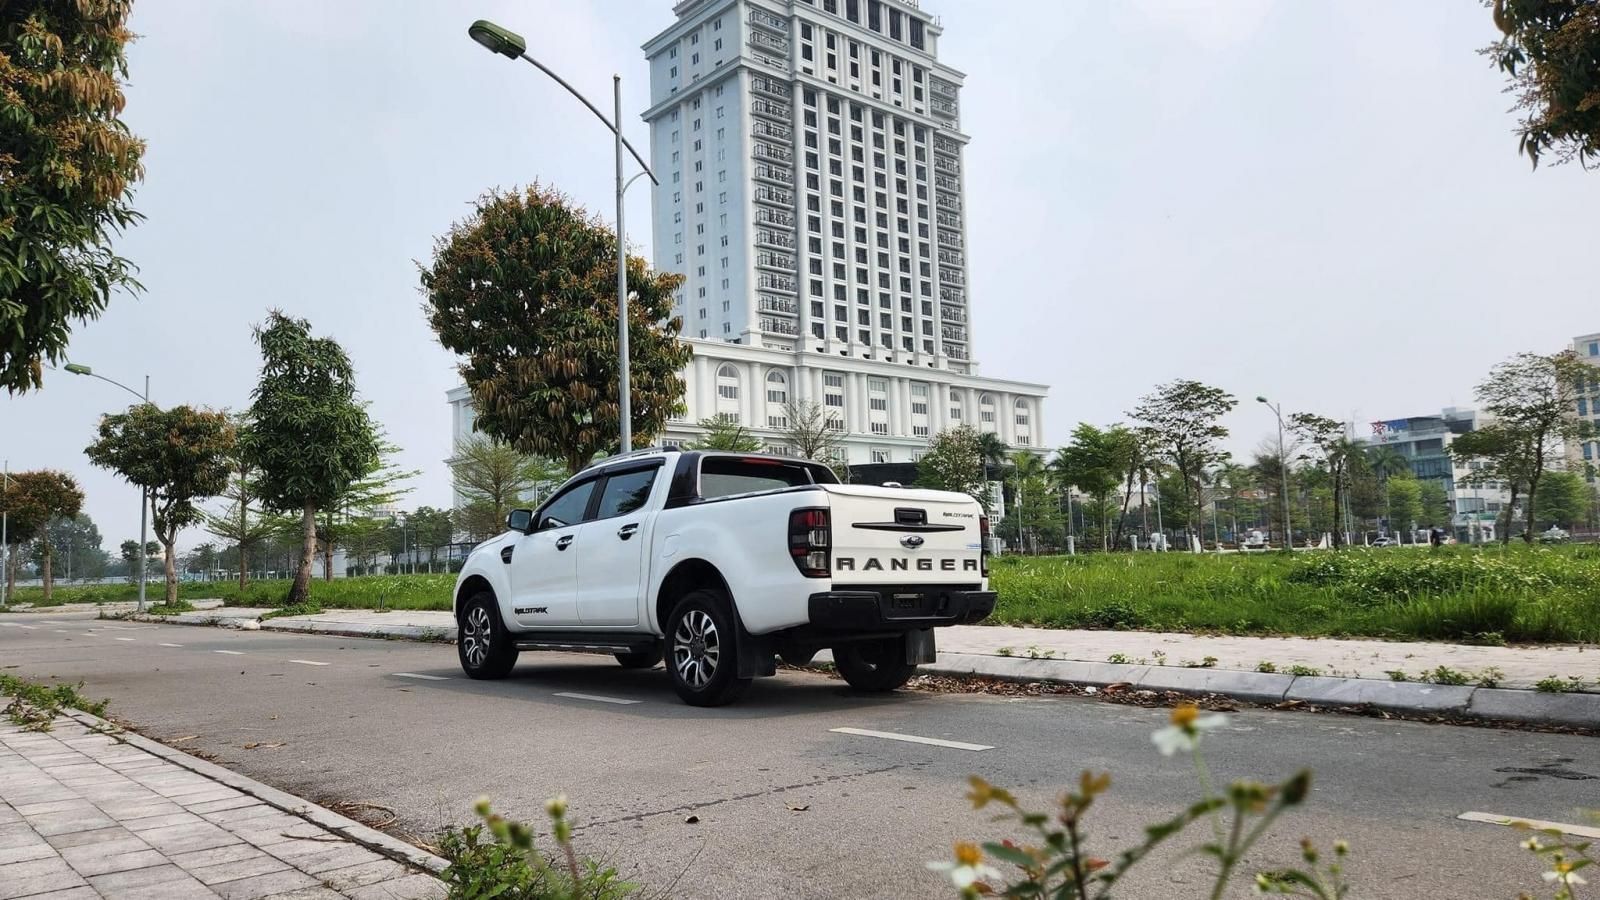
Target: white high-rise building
810, 160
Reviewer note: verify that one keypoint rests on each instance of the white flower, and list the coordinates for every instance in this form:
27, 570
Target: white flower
1186, 737
964, 875
1565, 876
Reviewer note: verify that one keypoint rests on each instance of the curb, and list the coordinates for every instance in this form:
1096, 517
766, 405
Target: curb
1575, 710
357, 629
347, 828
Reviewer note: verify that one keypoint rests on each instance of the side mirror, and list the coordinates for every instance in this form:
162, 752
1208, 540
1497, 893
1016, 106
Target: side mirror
520, 520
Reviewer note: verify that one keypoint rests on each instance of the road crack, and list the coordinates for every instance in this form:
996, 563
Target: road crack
693, 807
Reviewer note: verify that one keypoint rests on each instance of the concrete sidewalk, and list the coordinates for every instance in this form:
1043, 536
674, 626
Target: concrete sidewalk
1499, 680
88, 812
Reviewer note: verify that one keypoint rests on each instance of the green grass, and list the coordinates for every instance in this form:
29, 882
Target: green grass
34, 705
365, 592
1478, 595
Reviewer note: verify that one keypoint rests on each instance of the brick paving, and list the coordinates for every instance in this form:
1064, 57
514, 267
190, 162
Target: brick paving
83, 815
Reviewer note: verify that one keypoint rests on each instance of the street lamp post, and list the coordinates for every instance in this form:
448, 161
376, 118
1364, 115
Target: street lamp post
1283, 472
144, 506
5, 537
512, 46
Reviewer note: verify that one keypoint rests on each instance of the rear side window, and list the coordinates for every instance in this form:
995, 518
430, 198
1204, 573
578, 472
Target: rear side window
725, 476
626, 493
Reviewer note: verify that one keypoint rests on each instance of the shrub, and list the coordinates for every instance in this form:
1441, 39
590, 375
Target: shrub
34, 706
506, 865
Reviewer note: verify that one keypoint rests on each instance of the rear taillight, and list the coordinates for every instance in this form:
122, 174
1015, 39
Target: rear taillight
983, 537
810, 541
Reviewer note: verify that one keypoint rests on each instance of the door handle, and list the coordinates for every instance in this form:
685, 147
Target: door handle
563, 542
628, 530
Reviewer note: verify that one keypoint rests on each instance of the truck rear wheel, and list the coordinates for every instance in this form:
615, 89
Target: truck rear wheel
483, 645
874, 666
702, 650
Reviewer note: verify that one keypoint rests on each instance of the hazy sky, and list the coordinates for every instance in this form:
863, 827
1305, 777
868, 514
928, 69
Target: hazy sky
1320, 201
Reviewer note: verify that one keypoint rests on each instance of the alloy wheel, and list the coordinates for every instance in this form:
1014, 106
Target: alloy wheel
696, 648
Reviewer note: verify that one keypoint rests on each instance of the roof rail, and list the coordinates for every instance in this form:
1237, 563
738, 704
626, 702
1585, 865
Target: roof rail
643, 451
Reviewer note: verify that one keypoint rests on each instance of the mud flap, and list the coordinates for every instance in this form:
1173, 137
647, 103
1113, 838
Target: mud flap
919, 646
757, 654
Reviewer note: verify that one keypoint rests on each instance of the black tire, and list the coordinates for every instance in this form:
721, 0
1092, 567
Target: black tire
874, 666
702, 650
483, 645
642, 659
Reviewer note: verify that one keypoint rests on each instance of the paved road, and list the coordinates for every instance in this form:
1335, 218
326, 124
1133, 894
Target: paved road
395, 723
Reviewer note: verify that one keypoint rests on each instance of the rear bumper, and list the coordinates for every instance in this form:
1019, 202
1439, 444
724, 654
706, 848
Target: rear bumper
898, 608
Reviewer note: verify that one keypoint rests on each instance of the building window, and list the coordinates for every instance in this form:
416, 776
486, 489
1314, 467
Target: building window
880, 455
1022, 412
777, 388
727, 381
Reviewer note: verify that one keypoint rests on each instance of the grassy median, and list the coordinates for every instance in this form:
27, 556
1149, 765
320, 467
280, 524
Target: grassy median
1473, 594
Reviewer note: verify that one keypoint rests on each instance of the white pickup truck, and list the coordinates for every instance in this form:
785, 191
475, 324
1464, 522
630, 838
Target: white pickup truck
721, 562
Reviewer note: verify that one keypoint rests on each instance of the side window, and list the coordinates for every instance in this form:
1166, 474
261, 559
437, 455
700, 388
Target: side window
568, 507
627, 492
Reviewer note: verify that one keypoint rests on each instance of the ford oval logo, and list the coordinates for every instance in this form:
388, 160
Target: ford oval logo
911, 542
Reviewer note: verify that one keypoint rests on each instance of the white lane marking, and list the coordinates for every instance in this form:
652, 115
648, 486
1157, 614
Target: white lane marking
230, 652
167, 645
303, 662
1495, 819
423, 677
126, 639
17, 625
596, 698
61, 631
911, 739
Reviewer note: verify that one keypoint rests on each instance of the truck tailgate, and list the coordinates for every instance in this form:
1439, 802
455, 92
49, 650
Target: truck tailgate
893, 536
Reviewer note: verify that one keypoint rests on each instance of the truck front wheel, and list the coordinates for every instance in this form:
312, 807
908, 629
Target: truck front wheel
482, 643
702, 650
874, 666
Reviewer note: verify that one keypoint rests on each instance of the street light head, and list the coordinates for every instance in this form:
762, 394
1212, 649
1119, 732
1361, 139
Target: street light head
1261, 399
76, 369
498, 40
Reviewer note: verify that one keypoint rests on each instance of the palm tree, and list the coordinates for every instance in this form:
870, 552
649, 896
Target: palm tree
1385, 461
1026, 467
992, 452
1232, 479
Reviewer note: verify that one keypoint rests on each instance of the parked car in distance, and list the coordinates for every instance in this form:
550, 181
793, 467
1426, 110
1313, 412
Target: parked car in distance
721, 562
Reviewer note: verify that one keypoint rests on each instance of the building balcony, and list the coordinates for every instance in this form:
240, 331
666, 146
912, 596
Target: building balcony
781, 174
773, 130
779, 326
773, 108
952, 258
766, 237
775, 283
780, 261
950, 239
953, 333
948, 220
956, 351
952, 314
770, 87
775, 217
773, 152
950, 202
946, 164
941, 88
763, 19
953, 295
946, 183
777, 196
942, 107
782, 305
952, 276
946, 146
767, 42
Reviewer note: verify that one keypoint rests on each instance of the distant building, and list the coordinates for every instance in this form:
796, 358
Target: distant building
1584, 456
1425, 441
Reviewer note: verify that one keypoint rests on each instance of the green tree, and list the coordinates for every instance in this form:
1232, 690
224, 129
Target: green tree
77, 544
178, 455
1435, 502
1385, 462
32, 501
129, 554
954, 463
1182, 419
344, 518
311, 438
67, 166
431, 529
1550, 52
1093, 463
501, 477
1564, 500
1330, 448
1529, 400
242, 522
726, 434
1405, 503
525, 290
1034, 504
